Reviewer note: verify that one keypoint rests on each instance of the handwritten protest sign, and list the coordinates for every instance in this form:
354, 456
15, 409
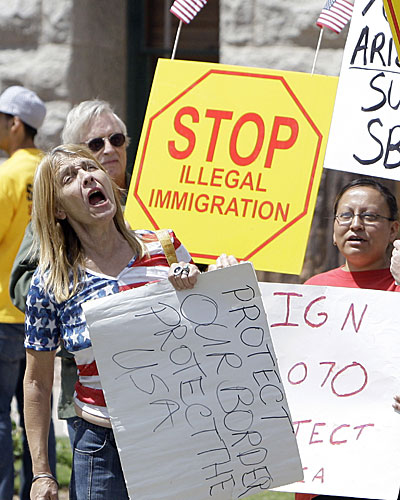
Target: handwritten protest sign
339, 355
193, 389
392, 9
365, 131
229, 150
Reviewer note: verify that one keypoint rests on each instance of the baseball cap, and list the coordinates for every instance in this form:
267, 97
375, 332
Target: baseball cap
24, 103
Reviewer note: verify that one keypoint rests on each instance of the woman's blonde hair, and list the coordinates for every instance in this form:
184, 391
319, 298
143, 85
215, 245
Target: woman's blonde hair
61, 257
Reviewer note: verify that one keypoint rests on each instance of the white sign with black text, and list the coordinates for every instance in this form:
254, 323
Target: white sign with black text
193, 389
365, 131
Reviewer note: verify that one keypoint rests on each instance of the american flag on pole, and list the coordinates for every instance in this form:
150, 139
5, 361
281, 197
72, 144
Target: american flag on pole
335, 15
186, 10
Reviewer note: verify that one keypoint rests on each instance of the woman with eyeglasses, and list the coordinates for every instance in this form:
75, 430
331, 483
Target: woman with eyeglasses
365, 226
85, 252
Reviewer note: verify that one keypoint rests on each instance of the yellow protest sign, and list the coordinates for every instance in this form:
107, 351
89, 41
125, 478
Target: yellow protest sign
231, 158
392, 10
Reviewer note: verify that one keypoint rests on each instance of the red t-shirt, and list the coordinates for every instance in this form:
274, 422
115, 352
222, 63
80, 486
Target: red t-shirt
378, 279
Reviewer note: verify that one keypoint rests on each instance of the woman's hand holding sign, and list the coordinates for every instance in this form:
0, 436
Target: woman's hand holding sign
223, 261
183, 276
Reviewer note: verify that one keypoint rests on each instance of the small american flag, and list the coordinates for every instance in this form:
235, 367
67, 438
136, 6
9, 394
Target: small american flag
186, 10
335, 15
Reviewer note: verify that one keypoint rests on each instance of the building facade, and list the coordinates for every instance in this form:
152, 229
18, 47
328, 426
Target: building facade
72, 50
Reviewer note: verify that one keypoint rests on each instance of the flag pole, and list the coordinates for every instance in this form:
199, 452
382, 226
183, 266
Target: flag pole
178, 32
317, 50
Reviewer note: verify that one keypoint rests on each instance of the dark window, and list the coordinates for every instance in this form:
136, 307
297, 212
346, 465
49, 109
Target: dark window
151, 35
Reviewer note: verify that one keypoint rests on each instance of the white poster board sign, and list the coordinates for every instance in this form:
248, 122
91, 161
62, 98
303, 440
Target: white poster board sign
338, 351
365, 131
193, 389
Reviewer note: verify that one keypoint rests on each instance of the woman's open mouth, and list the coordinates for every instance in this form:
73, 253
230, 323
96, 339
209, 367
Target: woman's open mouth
96, 198
356, 239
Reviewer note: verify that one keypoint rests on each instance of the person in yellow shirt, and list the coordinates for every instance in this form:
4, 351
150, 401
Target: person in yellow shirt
21, 113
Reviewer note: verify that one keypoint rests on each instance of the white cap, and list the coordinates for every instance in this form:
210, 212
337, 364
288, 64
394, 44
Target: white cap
24, 103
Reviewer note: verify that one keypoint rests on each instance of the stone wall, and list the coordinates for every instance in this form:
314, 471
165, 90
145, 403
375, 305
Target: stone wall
278, 34
71, 50
66, 51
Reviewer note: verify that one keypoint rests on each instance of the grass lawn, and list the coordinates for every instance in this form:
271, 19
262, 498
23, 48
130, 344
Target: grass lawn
272, 495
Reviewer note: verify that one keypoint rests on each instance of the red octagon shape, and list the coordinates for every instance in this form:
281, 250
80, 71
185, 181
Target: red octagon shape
302, 110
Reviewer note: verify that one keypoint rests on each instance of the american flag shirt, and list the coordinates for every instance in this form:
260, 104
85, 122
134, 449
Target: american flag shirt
47, 322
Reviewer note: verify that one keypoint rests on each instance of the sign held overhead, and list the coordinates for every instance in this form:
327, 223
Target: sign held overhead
228, 151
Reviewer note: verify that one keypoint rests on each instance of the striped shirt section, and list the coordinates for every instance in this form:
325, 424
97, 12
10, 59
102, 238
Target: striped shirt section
48, 322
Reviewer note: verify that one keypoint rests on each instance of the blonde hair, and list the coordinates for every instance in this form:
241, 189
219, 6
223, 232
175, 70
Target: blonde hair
61, 257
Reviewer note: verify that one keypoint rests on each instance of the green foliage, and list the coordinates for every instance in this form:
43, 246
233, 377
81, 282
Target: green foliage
272, 495
17, 440
63, 450
64, 461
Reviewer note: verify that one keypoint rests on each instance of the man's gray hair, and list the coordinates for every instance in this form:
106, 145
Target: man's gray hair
80, 117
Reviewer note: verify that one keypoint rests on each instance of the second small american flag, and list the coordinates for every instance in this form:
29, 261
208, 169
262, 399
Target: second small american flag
335, 15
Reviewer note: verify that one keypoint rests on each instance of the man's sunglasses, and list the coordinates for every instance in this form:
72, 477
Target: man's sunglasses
117, 140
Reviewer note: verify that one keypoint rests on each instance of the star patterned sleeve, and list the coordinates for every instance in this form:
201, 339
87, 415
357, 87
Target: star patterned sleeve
41, 331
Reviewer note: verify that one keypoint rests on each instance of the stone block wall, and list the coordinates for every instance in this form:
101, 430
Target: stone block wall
71, 50
278, 34
66, 51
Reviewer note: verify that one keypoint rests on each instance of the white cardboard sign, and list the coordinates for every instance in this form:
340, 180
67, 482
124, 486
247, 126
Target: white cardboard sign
365, 131
193, 389
338, 351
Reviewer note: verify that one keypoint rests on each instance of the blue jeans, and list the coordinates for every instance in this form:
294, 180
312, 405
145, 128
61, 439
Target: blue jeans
96, 468
11, 353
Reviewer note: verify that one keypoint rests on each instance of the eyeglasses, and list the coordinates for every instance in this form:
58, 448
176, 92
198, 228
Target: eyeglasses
345, 218
117, 140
